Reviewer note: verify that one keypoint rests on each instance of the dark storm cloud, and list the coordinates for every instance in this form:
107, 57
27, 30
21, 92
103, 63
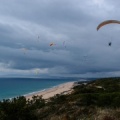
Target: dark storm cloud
28, 27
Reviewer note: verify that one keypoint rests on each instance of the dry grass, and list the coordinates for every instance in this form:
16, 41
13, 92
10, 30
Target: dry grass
106, 114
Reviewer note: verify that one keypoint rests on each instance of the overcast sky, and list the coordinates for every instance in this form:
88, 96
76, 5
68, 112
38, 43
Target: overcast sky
28, 27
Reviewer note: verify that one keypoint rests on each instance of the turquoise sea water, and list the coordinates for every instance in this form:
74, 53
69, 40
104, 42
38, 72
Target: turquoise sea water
12, 87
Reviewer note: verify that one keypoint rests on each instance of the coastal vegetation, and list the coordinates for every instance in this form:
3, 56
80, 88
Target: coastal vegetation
94, 100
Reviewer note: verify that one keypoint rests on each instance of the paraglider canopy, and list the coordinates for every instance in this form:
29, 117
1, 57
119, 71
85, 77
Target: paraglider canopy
36, 71
107, 22
51, 44
24, 50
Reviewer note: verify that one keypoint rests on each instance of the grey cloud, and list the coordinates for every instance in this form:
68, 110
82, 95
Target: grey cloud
33, 25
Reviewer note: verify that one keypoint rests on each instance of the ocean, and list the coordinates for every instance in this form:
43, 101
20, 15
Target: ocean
13, 87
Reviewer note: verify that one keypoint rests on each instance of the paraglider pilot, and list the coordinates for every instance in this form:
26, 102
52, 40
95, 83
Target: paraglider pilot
109, 44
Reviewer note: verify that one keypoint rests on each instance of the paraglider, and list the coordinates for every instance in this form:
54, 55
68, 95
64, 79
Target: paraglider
24, 50
64, 44
38, 38
36, 71
107, 22
110, 43
52, 44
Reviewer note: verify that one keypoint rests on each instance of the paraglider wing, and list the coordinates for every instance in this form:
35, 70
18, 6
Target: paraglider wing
36, 71
51, 44
24, 50
107, 22
64, 44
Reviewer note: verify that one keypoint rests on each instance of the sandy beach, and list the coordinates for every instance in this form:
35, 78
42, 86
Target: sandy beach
65, 88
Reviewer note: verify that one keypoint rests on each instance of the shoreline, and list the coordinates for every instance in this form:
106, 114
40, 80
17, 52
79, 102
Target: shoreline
64, 88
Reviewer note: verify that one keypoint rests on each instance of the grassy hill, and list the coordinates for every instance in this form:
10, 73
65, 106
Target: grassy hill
95, 100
